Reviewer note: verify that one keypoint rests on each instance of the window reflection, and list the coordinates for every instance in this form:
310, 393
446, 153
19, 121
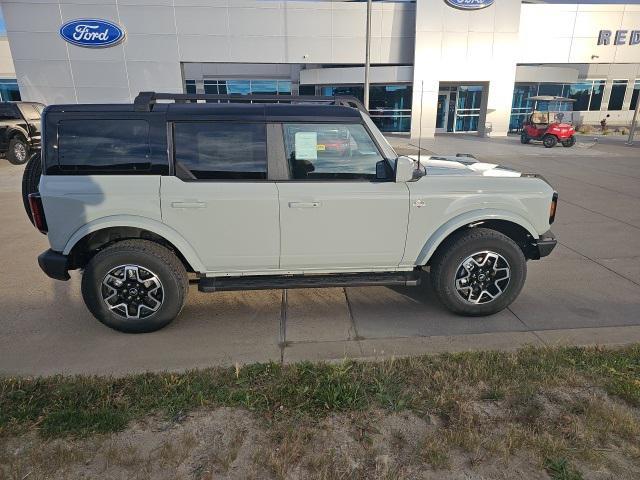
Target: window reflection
330, 151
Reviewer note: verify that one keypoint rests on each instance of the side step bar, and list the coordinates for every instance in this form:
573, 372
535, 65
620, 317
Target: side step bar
264, 282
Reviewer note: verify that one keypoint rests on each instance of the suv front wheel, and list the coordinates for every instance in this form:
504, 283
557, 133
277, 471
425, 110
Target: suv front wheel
478, 272
135, 286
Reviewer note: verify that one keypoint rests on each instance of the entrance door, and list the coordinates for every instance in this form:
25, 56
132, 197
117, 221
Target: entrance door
442, 112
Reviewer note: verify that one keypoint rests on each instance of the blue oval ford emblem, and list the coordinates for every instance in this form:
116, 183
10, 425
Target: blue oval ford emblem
91, 33
470, 4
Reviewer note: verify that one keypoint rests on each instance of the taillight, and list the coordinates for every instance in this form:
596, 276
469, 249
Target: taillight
552, 209
37, 212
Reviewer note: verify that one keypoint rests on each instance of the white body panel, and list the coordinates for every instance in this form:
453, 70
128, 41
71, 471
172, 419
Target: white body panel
264, 227
71, 202
233, 226
338, 225
450, 202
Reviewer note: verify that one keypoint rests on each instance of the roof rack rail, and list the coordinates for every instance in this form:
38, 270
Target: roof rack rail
145, 100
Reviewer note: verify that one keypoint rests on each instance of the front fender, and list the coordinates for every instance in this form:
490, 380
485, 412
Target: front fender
434, 241
145, 223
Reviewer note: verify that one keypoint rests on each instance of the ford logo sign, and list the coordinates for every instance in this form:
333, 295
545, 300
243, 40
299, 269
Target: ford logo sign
91, 33
469, 4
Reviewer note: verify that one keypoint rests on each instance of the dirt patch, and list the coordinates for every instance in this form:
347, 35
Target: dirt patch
231, 443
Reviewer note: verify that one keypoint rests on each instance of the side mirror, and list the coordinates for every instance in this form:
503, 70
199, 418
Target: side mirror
405, 169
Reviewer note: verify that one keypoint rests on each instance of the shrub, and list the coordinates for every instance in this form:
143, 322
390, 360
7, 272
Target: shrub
585, 129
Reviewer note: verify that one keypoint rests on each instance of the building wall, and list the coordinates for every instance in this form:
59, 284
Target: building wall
460, 46
162, 34
569, 33
6, 62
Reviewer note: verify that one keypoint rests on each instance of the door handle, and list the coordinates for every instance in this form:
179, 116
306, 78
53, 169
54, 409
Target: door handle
304, 204
188, 204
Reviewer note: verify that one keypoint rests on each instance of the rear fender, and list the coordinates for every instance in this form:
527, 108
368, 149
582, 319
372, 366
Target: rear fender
145, 223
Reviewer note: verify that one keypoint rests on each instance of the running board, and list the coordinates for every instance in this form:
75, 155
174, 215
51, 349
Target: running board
266, 282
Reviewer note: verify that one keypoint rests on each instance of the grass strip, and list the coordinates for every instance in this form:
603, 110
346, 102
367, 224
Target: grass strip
83, 405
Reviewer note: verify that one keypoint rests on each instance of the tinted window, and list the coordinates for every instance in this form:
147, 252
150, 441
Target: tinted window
8, 112
221, 151
330, 151
110, 145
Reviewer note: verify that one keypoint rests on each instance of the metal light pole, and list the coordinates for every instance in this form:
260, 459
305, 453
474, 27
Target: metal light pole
632, 130
367, 60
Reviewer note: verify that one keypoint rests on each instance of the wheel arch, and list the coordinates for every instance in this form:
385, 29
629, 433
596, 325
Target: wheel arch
91, 238
511, 225
17, 132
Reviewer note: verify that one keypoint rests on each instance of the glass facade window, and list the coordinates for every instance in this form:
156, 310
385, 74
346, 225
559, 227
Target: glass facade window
389, 105
521, 106
581, 93
9, 91
618, 90
587, 94
245, 87
635, 95
596, 95
190, 86
554, 89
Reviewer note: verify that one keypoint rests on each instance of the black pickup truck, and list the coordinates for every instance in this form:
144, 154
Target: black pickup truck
19, 130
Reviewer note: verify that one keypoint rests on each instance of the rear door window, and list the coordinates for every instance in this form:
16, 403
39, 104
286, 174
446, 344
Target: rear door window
95, 146
220, 151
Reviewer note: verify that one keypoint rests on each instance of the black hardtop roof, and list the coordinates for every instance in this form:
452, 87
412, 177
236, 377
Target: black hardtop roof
254, 111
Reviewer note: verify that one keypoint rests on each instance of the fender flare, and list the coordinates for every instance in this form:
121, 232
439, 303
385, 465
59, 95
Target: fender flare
145, 223
453, 224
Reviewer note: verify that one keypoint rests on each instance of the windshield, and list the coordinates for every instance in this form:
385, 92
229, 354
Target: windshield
387, 149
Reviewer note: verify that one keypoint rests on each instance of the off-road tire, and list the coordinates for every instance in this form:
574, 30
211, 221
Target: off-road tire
31, 180
569, 142
549, 141
456, 249
13, 154
524, 138
146, 254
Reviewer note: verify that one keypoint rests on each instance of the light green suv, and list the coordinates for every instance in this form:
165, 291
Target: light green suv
240, 196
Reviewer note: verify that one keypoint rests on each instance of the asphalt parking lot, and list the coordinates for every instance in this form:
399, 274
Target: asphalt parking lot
587, 291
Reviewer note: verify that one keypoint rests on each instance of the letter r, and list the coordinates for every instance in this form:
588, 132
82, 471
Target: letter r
604, 37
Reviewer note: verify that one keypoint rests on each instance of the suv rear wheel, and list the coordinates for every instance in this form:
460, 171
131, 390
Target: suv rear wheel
479, 272
18, 152
135, 286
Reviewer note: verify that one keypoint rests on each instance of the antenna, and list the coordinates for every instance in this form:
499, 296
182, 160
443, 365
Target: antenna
420, 129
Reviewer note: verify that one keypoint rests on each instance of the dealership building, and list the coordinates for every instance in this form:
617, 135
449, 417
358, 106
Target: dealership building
436, 65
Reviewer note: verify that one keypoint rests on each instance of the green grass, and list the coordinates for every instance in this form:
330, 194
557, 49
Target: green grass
60, 405
559, 469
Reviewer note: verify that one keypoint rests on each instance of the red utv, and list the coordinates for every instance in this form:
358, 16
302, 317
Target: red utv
548, 124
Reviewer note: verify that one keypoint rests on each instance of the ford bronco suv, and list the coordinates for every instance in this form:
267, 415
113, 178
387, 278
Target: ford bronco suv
19, 130
148, 197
